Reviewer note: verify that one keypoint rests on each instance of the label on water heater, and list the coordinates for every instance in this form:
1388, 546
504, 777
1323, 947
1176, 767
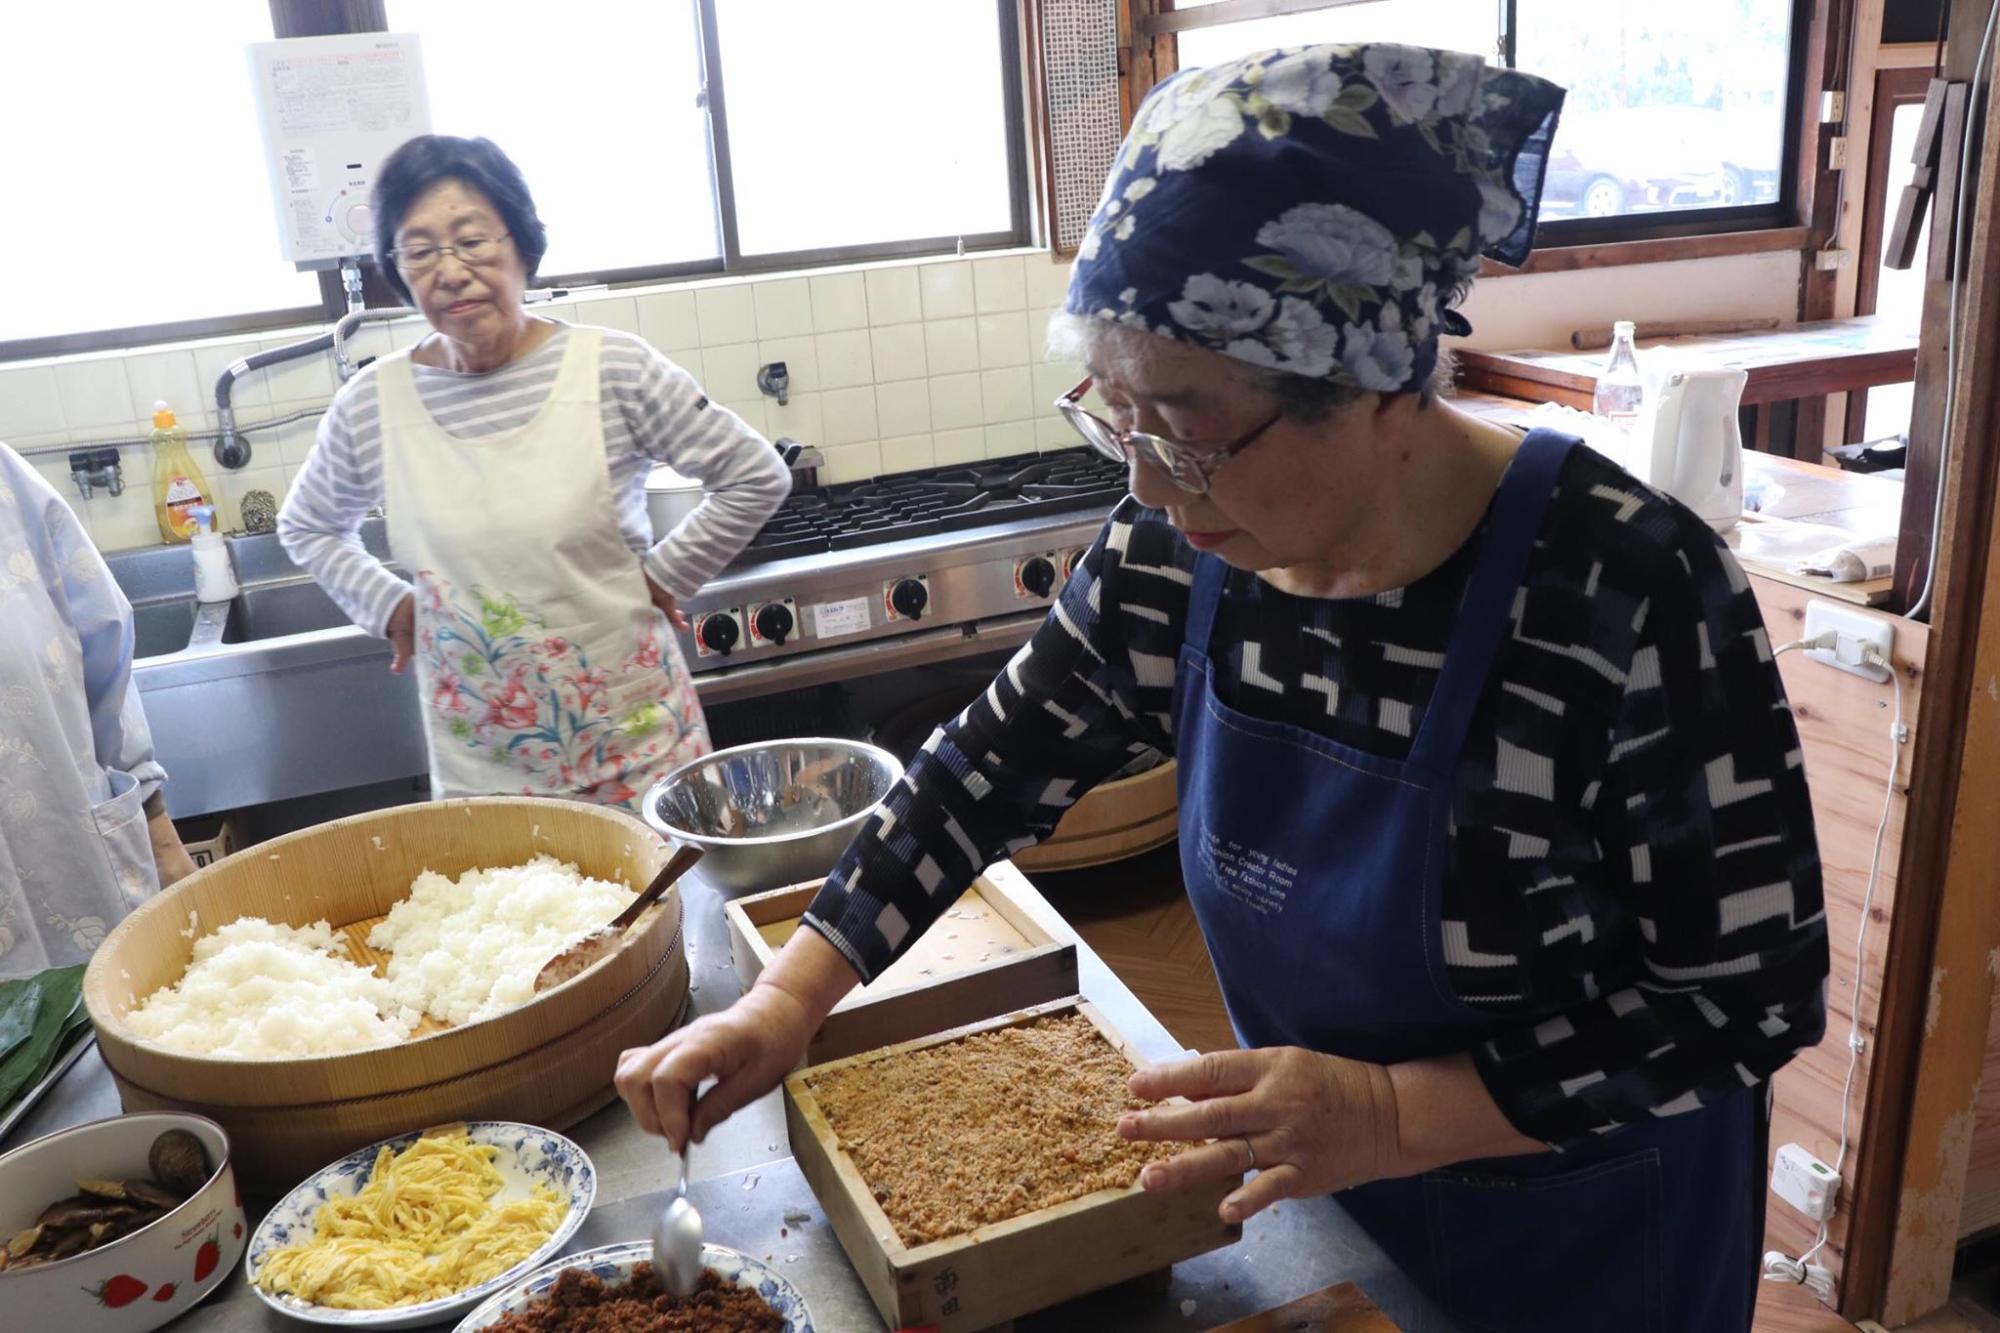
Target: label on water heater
831, 619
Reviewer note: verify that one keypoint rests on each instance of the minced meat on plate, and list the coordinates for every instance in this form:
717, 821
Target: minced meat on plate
582, 1303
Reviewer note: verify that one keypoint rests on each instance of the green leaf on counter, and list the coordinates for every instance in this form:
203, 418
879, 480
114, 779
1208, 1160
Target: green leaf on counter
62, 1003
20, 1001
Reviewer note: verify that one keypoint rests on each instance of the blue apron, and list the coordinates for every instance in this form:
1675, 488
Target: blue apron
1316, 872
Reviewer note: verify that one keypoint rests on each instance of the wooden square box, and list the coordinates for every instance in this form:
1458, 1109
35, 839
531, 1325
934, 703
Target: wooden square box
1007, 1269
987, 955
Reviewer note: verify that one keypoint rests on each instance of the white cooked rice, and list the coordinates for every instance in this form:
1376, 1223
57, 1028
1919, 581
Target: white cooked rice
469, 949
258, 991
460, 950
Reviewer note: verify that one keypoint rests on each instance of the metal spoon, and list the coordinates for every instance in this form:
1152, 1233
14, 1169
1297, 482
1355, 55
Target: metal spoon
594, 947
677, 1240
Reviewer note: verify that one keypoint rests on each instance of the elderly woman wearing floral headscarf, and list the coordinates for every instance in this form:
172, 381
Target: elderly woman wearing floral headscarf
1491, 806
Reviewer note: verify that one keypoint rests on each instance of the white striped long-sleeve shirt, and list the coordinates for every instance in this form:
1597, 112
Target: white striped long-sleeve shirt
653, 412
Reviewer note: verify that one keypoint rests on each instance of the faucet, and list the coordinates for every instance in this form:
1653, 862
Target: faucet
91, 468
775, 381
231, 449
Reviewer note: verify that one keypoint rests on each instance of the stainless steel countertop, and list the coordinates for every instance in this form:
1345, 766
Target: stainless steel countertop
749, 1191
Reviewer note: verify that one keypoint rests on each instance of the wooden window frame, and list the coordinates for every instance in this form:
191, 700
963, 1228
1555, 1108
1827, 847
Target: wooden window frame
317, 18
1894, 88
1149, 28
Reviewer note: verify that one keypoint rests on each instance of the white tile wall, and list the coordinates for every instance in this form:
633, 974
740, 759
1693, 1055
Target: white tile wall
955, 401
893, 296
94, 393
893, 367
839, 301
784, 308
666, 320
1003, 340
951, 346
959, 446
726, 315
844, 359
617, 313
947, 290
1000, 284
898, 353
903, 409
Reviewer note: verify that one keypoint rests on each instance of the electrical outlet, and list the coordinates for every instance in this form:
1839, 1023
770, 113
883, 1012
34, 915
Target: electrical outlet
1805, 1182
1855, 630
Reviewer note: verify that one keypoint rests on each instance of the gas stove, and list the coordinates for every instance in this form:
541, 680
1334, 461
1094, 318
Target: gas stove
904, 570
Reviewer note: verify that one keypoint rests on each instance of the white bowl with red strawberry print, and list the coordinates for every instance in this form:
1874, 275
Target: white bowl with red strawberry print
139, 1281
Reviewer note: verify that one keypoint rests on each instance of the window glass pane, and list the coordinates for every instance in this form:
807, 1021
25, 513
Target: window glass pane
853, 122
1671, 106
596, 104
1457, 25
138, 187
1899, 293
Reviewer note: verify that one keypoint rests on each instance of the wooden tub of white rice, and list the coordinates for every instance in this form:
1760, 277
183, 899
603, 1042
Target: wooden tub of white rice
444, 1027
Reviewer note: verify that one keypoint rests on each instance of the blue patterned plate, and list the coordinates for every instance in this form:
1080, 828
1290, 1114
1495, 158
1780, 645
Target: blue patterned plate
527, 1155
614, 1263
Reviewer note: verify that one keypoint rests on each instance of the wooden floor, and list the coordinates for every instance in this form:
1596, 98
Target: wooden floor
1136, 916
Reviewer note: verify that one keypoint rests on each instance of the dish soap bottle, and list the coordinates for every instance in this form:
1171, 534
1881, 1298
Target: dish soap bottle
214, 580
178, 486
1621, 390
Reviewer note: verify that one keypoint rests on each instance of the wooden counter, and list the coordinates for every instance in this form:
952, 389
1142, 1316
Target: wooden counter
1804, 361
1802, 492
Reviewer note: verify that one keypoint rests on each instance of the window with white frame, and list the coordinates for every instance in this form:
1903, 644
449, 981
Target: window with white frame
659, 139
135, 171
1677, 113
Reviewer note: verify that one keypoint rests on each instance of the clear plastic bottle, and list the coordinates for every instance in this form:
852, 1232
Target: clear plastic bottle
1621, 389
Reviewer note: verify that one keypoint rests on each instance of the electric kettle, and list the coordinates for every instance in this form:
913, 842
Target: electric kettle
1688, 444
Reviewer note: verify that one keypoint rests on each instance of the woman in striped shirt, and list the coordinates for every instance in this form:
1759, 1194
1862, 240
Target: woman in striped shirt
509, 453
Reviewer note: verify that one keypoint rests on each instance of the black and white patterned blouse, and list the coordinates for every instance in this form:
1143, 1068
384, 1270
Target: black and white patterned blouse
1632, 868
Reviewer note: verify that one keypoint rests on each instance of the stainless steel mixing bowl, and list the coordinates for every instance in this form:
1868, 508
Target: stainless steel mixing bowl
773, 813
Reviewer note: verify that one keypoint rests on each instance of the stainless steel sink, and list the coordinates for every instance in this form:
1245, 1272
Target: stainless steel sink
163, 627
272, 695
274, 611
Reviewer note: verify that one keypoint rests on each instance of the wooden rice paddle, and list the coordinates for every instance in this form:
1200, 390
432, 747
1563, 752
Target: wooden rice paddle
593, 948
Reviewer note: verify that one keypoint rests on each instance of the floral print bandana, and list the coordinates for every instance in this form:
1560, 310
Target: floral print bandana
1318, 210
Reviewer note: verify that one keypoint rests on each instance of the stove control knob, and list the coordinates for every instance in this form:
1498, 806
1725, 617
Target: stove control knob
1073, 559
774, 622
909, 597
718, 633
1038, 576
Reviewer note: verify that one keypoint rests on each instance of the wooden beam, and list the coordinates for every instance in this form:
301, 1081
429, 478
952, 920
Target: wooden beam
1938, 986
1232, 11
1858, 181
1663, 250
1905, 55
324, 18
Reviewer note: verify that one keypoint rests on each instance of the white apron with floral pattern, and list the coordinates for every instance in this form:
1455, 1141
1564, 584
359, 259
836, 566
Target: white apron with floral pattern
545, 668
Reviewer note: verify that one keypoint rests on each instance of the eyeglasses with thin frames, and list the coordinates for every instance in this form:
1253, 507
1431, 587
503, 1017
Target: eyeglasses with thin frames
472, 251
1189, 469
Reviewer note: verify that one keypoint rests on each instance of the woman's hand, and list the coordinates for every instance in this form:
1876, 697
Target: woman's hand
170, 857
747, 1048
402, 633
668, 604
1315, 1123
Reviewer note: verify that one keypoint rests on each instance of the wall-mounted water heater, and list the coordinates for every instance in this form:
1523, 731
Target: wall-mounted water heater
332, 108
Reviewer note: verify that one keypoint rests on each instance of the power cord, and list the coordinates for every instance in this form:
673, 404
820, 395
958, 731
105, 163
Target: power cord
1825, 641
1778, 1266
